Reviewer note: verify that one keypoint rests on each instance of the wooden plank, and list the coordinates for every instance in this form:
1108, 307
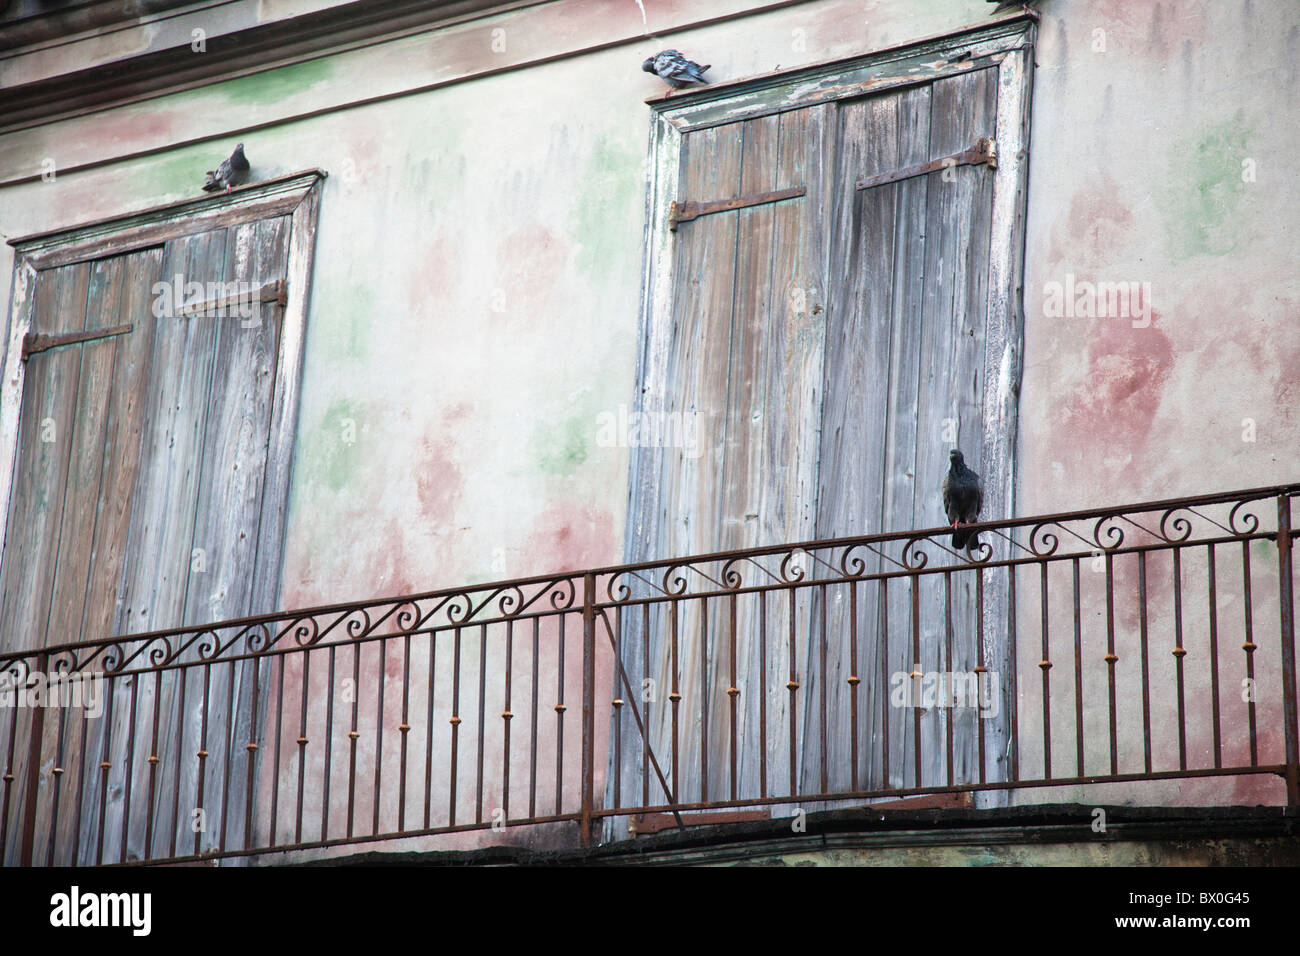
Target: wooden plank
132, 360
907, 320
951, 387
76, 537
854, 419
179, 391
742, 476
35, 518
697, 387
45, 449
265, 583
229, 507
73, 551
1003, 360
630, 768
160, 535
794, 385
22, 307
237, 434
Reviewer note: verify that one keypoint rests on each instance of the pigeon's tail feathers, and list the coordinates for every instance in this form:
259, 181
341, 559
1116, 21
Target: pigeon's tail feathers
211, 185
959, 538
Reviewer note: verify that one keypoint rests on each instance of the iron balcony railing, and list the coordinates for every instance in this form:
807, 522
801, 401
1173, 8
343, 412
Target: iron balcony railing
1136, 645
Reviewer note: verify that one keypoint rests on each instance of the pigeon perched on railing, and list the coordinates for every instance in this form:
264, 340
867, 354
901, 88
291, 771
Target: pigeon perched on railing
675, 69
230, 173
963, 495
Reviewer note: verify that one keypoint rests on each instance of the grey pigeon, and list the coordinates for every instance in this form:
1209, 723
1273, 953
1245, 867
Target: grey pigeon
230, 173
675, 69
963, 495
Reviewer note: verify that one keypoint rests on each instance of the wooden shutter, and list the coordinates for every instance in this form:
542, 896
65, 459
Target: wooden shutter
746, 366
906, 372
161, 503
141, 456
833, 347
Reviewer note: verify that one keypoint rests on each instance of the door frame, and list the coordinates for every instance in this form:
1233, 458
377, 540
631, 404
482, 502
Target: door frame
296, 195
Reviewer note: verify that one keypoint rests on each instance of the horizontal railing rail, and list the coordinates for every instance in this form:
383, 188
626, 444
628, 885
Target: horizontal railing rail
1132, 644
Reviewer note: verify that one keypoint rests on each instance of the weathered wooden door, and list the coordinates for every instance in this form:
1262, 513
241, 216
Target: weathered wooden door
831, 342
141, 457
148, 493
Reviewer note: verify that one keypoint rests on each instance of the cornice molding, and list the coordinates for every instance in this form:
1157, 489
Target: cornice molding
265, 46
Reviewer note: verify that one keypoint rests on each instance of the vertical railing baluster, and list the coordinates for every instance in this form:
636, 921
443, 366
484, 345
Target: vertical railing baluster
1291, 732
1179, 653
33, 773
56, 787
304, 694
1045, 665
733, 692
854, 681
1248, 647
704, 699
1146, 664
645, 699
883, 691
481, 727
981, 681
506, 717
1214, 657
1111, 659
588, 704
1078, 674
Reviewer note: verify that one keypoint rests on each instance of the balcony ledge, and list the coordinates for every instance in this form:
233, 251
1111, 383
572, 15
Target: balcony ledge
1043, 835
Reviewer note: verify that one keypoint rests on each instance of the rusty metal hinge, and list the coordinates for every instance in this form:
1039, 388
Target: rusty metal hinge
277, 292
34, 342
984, 152
686, 211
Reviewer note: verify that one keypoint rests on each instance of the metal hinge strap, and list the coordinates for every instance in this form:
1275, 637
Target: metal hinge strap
985, 152
277, 291
686, 211
34, 342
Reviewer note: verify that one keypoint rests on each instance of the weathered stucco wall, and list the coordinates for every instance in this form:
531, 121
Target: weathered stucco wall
1161, 147
477, 281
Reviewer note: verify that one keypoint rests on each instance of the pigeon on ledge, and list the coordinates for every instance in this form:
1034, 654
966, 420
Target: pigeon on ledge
963, 495
1008, 4
675, 69
230, 173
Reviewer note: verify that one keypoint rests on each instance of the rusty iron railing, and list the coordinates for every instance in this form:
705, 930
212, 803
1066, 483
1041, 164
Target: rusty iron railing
1137, 645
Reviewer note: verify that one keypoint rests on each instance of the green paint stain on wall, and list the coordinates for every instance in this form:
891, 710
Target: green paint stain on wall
1205, 191
180, 172
617, 188
559, 448
272, 86
343, 309
332, 451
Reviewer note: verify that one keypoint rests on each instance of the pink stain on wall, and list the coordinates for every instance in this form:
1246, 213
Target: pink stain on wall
438, 482
535, 257
569, 537
1160, 29
1110, 413
1098, 224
